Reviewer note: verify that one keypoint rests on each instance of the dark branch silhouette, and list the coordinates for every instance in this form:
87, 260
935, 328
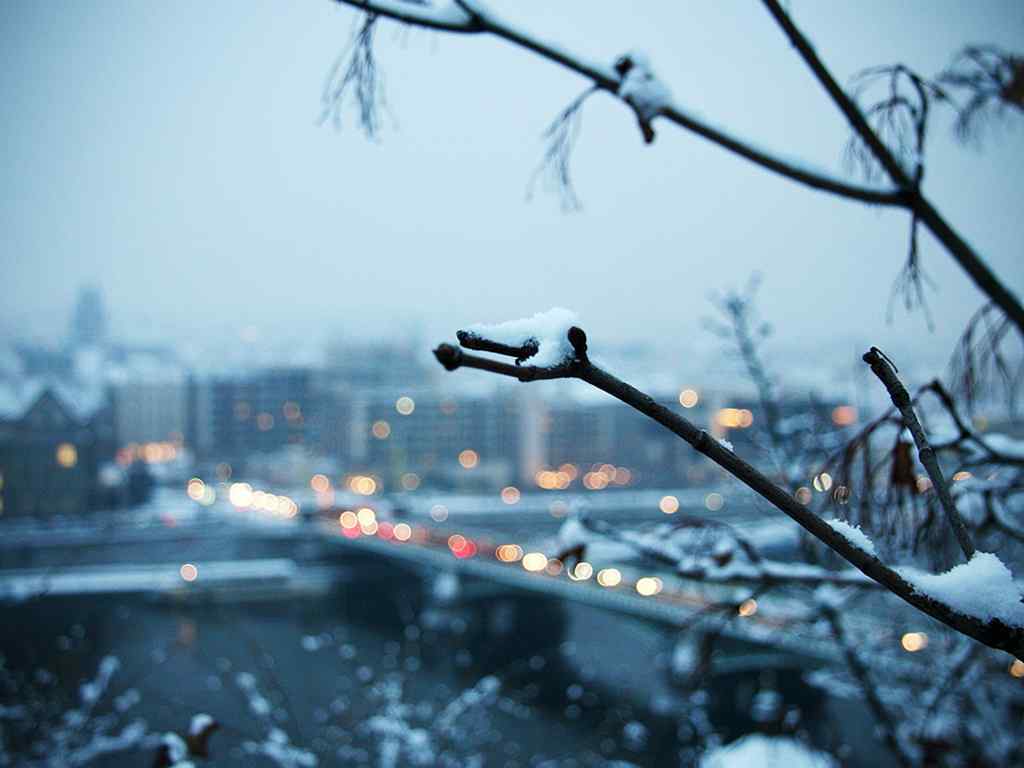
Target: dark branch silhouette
994, 632
356, 71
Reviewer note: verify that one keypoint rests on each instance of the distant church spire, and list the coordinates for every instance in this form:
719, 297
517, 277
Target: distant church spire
89, 321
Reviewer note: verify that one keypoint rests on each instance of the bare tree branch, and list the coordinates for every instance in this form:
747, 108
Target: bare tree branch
883, 717
883, 368
469, 16
472, 18
359, 74
985, 359
958, 248
994, 632
993, 80
561, 138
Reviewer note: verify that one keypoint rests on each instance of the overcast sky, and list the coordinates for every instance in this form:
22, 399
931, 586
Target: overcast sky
171, 153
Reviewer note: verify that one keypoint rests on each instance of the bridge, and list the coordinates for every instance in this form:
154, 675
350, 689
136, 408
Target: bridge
250, 555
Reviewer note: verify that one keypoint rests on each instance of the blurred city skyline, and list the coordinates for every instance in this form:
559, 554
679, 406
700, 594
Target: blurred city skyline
200, 194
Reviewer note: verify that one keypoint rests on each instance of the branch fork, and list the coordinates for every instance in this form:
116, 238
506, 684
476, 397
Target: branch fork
994, 633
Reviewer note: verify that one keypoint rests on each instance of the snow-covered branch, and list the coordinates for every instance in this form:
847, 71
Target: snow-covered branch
999, 623
445, 15
631, 80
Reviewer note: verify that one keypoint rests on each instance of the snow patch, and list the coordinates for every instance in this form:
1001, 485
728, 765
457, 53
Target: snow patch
854, 535
573, 534
176, 747
549, 329
641, 88
982, 587
199, 723
766, 752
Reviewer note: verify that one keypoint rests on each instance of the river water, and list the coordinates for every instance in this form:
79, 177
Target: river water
367, 673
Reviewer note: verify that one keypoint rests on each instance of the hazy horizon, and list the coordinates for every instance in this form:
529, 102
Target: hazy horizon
172, 155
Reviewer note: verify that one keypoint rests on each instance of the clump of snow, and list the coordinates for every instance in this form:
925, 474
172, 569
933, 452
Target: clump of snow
127, 700
634, 735
766, 752
176, 748
854, 535
766, 706
641, 88
982, 587
199, 723
550, 330
483, 693
573, 533
685, 658
245, 680
93, 690
725, 443
723, 549
280, 751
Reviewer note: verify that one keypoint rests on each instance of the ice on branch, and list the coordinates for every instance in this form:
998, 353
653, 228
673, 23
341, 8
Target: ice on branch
982, 587
548, 331
642, 90
854, 535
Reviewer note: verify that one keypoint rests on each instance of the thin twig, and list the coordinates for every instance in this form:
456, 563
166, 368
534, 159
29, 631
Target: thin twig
883, 368
958, 248
475, 20
883, 717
